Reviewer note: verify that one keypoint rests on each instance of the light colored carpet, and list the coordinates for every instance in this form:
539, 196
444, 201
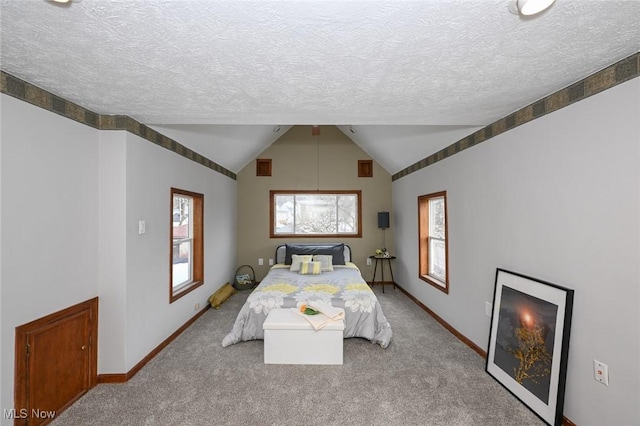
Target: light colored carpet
425, 377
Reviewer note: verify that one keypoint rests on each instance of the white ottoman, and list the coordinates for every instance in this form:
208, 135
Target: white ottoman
290, 339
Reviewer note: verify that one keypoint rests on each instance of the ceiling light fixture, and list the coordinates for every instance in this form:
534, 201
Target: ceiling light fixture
62, 3
529, 7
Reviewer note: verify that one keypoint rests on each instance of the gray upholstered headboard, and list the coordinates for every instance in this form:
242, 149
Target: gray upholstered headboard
281, 250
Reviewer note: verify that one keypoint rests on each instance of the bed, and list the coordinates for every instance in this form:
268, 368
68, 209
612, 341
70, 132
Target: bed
338, 282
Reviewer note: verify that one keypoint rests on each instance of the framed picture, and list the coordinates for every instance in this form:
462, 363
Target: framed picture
529, 341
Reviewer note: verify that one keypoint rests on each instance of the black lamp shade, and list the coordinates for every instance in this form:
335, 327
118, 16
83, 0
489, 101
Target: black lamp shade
383, 220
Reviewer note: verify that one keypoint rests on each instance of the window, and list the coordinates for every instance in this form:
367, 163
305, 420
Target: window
316, 214
187, 251
432, 228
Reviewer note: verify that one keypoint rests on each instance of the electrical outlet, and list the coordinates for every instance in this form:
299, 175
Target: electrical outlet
368, 261
196, 307
488, 308
260, 261
601, 372
270, 262
142, 227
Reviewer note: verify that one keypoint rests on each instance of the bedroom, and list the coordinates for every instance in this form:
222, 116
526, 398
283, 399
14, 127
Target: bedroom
581, 159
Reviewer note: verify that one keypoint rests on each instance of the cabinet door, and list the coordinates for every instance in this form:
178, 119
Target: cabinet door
58, 363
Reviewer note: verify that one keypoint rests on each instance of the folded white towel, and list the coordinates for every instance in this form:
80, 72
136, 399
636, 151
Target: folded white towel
330, 311
316, 321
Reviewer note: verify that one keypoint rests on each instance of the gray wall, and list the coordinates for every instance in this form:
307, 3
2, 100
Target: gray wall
557, 199
49, 229
71, 198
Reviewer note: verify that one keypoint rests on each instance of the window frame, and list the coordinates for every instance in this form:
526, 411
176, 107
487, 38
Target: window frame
424, 241
274, 193
197, 249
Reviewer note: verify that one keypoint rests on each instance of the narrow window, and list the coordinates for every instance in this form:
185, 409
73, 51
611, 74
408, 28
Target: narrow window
432, 228
187, 251
315, 214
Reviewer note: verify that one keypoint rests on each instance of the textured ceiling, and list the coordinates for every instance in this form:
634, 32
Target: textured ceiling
431, 70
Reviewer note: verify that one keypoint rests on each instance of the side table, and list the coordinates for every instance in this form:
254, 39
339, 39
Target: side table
380, 260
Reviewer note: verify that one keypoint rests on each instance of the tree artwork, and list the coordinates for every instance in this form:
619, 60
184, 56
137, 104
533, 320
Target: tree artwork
525, 340
534, 360
529, 341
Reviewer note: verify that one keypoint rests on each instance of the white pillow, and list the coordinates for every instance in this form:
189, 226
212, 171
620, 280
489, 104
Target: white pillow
326, 261
297, 259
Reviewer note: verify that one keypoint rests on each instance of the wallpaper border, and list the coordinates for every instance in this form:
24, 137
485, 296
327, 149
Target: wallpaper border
613, 75
27, 92
622, 71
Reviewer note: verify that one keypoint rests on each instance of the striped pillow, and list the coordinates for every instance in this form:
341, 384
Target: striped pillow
307, 268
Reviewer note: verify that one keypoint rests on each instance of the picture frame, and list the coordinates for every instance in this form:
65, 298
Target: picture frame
529, 341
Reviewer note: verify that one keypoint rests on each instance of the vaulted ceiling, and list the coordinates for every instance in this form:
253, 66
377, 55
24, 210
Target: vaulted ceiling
402, 79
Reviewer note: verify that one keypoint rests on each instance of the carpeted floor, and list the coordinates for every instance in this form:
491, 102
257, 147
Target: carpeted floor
425, 377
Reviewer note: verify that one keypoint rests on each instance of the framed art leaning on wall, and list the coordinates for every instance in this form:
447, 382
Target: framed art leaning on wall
529, 341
